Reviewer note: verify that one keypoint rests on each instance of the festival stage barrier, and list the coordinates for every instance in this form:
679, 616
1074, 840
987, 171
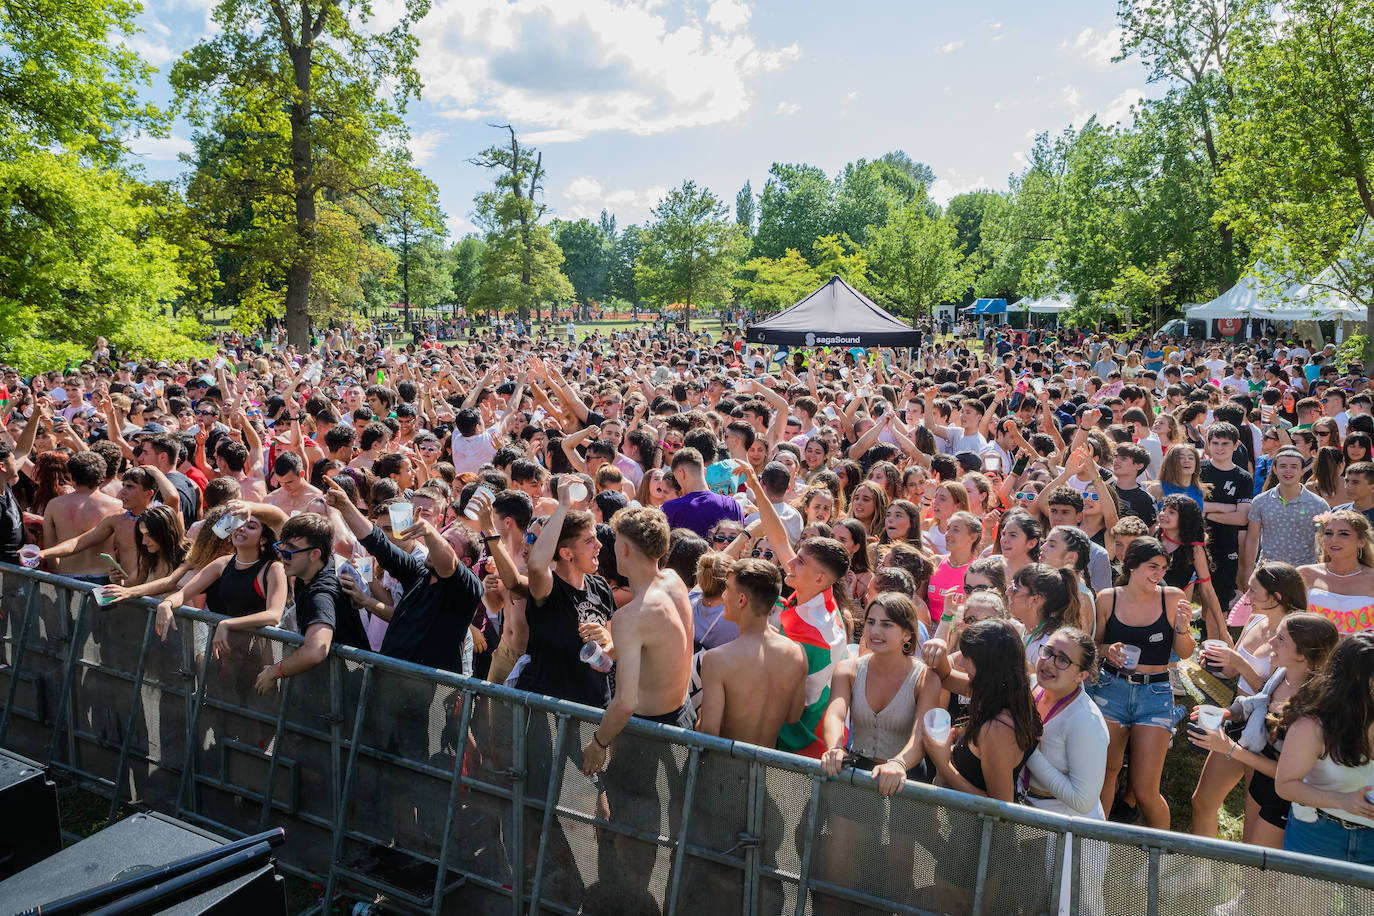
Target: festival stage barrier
443, 794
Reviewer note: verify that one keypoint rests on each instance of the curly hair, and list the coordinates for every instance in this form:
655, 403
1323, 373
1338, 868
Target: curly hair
1191, 528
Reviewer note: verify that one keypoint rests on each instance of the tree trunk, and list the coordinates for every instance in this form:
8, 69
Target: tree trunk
299, 274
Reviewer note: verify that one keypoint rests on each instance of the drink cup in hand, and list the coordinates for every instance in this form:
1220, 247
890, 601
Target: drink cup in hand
402, 516
937, 724
1130, 657
363, 565
1209, 648
28, 556
228, 524
481, 498
577, 491
594, 655
1210, 717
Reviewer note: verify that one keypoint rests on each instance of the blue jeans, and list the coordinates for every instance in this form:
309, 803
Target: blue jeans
1330, 840
1134, 704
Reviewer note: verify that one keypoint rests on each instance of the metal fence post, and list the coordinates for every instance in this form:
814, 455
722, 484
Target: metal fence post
753, 852
187, 786
680, 853
519, 769
984, 851
270, 789
1075, 846
341, 818
68, 675
550, 812
460, 757
813, 807
135, 704
1152, 889
29, 613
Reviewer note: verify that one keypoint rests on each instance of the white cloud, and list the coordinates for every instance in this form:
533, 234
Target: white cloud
423, 145
1069, 96
1119, 108
1097, 48
154, 52
994, 26
952, 182
160, 149
584, 196
459, 226
788, 108
579, 67
951, 46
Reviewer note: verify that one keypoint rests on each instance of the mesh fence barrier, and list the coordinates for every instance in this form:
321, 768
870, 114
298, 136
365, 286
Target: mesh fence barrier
437, 793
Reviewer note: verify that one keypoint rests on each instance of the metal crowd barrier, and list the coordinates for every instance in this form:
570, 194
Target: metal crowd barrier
444, 794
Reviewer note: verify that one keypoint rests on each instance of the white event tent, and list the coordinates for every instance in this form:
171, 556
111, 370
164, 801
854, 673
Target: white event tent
1251, 298
1048, 306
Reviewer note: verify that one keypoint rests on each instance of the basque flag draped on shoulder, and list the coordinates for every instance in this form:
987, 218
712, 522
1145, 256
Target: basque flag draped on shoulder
817, 628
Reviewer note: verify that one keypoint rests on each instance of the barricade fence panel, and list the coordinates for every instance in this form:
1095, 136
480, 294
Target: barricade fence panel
440, 793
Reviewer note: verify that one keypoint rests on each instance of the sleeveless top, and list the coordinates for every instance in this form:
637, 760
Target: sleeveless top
1327, 774
1261, 663
1190, 491
971, 767
882, 735
1155, 640
1181, 567
238, 592
1350, 613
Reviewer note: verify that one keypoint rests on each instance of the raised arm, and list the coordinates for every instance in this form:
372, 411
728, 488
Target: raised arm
545, 549
768, 518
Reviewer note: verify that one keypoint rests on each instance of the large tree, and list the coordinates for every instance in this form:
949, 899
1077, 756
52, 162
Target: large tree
413, 227
1299, 148
317, 93
915, 262
587, 256
794, 210
690, 250
621, 273
773, 283
465, 267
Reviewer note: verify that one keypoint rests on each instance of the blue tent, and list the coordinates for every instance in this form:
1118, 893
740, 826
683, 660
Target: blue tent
988, 307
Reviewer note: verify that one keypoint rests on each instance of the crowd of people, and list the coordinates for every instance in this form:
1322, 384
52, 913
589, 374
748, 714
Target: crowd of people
1055, 542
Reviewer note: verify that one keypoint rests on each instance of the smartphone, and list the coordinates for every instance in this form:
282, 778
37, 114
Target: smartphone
114, 564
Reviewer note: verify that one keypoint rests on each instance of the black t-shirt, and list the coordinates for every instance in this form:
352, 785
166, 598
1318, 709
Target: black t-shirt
11, 526
430, 624
1232, 487
555, 668
190, 497
322, 600
1136, 501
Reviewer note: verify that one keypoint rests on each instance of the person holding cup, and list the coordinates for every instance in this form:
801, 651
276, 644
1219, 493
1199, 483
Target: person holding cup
1140, 624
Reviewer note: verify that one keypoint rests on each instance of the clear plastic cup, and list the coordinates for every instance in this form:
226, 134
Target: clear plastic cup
228, 524
577, 491
937, 725
853, 649
363, 565
594, 655
1210, 717
28, 556
481, 499
402, 516
1212, 643
1130, 657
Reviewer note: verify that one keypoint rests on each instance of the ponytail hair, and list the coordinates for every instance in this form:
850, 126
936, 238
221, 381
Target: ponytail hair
713, 568
1059, 590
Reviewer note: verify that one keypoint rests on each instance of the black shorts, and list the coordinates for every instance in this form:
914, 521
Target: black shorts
682, 717
1272, 808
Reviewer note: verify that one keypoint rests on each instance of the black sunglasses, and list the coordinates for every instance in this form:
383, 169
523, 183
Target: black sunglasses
765, 554
286, 553
720, 538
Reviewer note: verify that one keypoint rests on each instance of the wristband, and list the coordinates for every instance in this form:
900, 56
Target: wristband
1234, 745
947, 617
604, 747
281, 675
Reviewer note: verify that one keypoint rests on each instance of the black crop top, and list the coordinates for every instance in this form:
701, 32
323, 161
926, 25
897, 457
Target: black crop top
1155, 640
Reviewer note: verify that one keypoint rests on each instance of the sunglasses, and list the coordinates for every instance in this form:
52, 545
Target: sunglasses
758, 553
723, 538
286, 553
204, 413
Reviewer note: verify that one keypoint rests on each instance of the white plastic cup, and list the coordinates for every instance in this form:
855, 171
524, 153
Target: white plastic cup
577, 491
1130, 657
937, 725
1210, 717
402, 516
28, 556
228, 524
481, 499
594, 655
363, 565
853, 649
1207, 644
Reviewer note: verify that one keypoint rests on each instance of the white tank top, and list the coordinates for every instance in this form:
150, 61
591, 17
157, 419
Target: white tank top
1326, 774
882, 735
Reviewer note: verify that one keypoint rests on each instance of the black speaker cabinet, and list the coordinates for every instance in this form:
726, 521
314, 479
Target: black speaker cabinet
135, 845
29, 805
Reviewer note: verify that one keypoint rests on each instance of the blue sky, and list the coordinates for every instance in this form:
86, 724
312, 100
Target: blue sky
626, 98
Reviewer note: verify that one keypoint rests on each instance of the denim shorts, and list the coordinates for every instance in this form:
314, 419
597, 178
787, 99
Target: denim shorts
1134, 704
1329, 840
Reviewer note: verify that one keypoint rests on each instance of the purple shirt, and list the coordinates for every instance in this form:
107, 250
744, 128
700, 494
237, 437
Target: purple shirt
701, 510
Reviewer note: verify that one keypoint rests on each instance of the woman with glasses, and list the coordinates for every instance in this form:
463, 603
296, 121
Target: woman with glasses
853, 537
1327, 433
723, 533
1141, 624
1069, 764
1340, 587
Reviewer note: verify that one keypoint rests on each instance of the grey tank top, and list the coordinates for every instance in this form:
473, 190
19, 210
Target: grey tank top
881, 735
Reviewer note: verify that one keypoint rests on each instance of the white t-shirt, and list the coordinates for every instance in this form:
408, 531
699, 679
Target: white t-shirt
470, 453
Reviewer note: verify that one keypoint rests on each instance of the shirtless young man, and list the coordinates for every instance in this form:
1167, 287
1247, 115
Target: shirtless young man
755, 684
295, 493
135, 496
74, 514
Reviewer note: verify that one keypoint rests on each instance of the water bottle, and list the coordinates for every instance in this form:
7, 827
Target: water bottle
366, 909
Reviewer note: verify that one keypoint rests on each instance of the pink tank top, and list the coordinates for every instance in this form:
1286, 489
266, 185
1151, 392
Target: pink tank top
945, 576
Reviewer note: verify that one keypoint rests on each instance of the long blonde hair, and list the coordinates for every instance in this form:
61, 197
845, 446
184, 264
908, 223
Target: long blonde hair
1358, 524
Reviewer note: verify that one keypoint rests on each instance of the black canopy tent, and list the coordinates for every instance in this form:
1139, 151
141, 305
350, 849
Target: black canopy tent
836, 315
